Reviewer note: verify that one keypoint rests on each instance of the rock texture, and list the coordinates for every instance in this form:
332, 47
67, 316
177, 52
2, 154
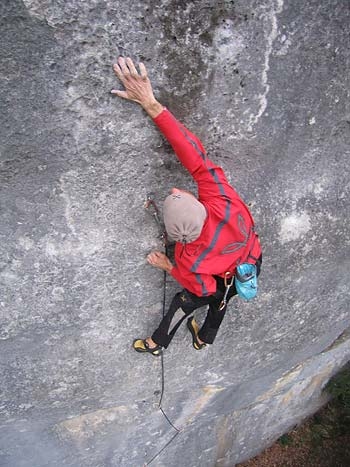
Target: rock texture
266, 86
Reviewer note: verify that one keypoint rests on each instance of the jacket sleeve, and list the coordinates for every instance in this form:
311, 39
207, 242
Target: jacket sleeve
199, 284
209, 177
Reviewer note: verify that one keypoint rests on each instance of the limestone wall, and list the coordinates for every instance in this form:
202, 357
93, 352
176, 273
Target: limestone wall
266, 86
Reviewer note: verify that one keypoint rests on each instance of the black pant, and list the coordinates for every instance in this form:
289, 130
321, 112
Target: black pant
185, 303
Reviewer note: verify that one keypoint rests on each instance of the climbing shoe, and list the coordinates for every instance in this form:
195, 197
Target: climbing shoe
193, 328
141, 345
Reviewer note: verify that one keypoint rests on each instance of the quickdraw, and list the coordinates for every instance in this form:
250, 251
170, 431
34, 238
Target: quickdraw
228, 281
151, 208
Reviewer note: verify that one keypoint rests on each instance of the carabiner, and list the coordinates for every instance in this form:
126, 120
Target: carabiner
150, 203
228, 285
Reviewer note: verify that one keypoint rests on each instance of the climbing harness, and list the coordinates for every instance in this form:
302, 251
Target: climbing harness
228, 281
245, 275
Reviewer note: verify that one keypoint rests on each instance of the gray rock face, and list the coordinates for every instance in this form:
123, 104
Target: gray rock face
266, 86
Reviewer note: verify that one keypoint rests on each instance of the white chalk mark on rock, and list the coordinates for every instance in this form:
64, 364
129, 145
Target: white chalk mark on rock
275, 10
294, 226
68, 205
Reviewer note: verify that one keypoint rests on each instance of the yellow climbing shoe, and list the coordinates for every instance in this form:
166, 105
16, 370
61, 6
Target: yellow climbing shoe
141, 345
193, 328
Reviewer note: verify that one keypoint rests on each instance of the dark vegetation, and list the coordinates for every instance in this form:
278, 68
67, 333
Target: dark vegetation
321, 441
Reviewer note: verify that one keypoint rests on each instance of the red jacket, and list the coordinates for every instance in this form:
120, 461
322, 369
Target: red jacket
227, 238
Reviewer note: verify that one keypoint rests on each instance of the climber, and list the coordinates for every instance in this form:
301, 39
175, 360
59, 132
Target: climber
214, 233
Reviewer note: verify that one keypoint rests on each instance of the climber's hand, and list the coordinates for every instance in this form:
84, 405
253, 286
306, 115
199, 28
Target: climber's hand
160, 260
137, 85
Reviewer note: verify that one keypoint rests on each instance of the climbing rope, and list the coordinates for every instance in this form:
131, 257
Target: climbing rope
162, 355
163, 448
150, 203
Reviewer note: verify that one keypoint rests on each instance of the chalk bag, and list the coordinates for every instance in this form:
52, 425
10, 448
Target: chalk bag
246, 281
